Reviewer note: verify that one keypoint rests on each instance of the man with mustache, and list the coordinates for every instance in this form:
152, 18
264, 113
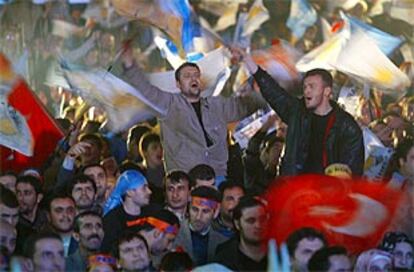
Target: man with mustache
231, 192
193, 127
196, 236
88, 232
61, 215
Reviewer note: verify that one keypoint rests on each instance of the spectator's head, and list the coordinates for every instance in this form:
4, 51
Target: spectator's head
130, 186
231, 192
401, 248
330, 259
8, 180
250, 219
177, 189
8, 236
271, 150
46, 252
176, 261
317, 90
61, 213
94, 152
9, 206
88, 231
373, 260
405, 155
132, 252
204, 207
188, 80
159, 230
301, 244
98, 174
151, 150
29, 194
83, 190
202, 175
134, 137
101, 263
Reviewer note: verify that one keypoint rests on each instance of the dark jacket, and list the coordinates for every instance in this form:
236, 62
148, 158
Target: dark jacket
344, 142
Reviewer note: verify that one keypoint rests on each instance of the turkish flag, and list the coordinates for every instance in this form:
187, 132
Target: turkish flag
353, 213
46, 133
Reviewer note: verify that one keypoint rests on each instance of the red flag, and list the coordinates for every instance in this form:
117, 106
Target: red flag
353, 213
44, 129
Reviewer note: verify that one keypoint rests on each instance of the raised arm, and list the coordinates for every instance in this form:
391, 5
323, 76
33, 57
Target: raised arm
151, 95
280, 100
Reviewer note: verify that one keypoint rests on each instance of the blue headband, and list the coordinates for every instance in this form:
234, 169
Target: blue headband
128, 180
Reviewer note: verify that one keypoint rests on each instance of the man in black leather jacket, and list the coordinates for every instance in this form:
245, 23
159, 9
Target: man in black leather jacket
319, 131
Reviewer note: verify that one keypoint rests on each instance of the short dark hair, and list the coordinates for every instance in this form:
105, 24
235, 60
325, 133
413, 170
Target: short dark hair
303, 233
8, 198
30, 244
391, 239
228, 184
246, 201
324, 74
81, 178
146, 140
76, 227
35, 182
176, 176
320, 259
58, 195
201, 171
126, 237
176, 261
82, 170
207, 192
93, 137
185, 64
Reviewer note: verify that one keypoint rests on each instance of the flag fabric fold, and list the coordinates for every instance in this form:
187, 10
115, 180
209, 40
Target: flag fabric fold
301, 16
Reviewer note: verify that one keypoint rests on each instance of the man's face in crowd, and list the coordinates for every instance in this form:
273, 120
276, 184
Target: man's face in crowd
201, 217
92, 154
408, 163
141, 195
304, 251
98, 174
133, 255
49, 255
9, 181
177, 194
314, 92
62, 214
231, 197
91, 232
10, 215
403, 256
153, 154
252, 224
84, 195
190, 82
27, 197
8, 236
162, 243
339, 263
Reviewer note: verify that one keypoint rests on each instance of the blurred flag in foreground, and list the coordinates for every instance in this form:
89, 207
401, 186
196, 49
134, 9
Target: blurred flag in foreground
27, 131
301, 16
354, 213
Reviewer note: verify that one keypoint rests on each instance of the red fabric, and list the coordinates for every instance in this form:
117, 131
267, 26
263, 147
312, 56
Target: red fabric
326, 203
45, 131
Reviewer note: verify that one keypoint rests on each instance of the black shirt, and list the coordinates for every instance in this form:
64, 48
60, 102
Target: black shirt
314, 162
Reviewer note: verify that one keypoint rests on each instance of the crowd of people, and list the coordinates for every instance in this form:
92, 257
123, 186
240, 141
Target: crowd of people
177, 193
